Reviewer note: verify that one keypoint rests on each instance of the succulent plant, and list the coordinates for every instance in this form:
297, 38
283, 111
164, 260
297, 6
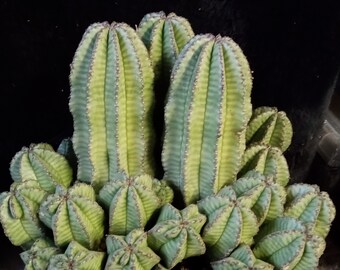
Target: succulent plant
18, 212
209, 142
281, 242
230, 222
269, 126
164, 36
42, 163
267, 160
176, 235
242, 258
130, 252
205, 117
314, 248
266, 197
39, 255
74, 214
77, 257
312, 207
130, 201
287, 244
111, 101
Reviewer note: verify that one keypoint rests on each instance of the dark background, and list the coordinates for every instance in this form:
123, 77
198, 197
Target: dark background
293, 48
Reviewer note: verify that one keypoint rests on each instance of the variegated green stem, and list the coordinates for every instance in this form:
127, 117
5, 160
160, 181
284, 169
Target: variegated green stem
130, 252
18, 212
206, 116
131, 201
74, 214
288, 244
266, 197
269, 126
42, 163
241, 258
164, 37
267, 160
39, 255
111, 103
176, 235
281, 242
230, 222
77, 257
314, 248
312, 207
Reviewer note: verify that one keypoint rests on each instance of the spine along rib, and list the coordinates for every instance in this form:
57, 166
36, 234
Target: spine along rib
41, 163
164, 36
267, 160
19, 212
111, 99
269, 126
130, 201
206, 116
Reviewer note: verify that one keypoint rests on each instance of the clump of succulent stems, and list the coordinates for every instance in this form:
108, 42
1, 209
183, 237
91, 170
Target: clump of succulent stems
224, 198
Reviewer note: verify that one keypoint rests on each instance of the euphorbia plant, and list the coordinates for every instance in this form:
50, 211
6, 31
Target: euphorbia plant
224, 195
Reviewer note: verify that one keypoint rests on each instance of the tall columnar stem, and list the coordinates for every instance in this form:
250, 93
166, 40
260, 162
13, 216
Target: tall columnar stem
111, 101
206, 115
164, 36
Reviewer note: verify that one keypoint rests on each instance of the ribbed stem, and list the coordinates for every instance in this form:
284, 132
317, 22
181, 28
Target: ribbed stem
164, 37
130, 203
111, 102
41, 163
266, 160
230, 223
205, 117
39, 255
18, 212
268, 126
281, 242
74, 214
176, 235
241, 258
130, 252
312, 207
77, 257
265, 197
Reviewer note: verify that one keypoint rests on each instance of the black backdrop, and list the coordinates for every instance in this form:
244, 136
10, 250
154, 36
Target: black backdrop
292, 47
